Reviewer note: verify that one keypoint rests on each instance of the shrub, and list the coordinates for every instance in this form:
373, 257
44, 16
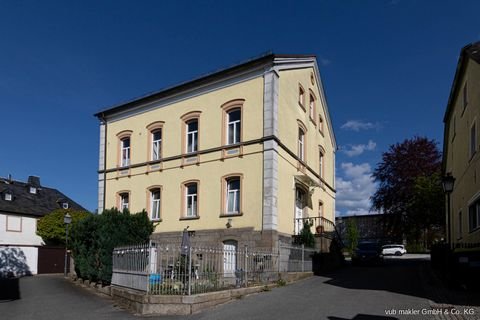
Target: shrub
306, 236
94, 238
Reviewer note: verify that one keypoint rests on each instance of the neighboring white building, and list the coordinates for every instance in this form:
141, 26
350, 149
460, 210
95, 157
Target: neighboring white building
21, 205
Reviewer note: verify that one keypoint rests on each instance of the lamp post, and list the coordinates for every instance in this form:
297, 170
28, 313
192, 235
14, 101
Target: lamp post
448, 182
67, 219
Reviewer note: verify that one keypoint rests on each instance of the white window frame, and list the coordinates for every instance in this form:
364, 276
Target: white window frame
65, 205
124, 201
156, 145
233, 125
460, 226
191, 200
235, 193
301, 96
155, 204
473, 139
476, 213
311, 107
8, 196
33, 190
125, 151
321, 171
301, 144
193, 134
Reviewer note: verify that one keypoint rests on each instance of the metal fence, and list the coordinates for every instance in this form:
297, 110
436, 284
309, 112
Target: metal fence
172, 270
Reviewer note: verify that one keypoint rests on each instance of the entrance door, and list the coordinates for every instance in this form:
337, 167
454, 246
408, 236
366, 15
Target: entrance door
229, 258
299, 205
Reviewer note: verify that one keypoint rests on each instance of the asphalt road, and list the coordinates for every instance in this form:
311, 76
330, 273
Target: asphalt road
366, 292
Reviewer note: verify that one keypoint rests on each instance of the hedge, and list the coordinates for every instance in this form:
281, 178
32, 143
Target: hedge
94, 238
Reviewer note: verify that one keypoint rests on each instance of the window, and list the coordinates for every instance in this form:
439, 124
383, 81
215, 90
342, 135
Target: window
65, 205
233, 195
156, 144
473, 140
232, 122
460, 228
301, 144
234, 126
321, 167
14, 223
312, 107
301, 96
191, 200
124, 201
125, 151
320, 124
124, 148
155, 204
8, 196
33, 190
192, 136
474, 215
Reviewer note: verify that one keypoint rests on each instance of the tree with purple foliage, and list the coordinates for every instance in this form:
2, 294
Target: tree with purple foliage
407, 177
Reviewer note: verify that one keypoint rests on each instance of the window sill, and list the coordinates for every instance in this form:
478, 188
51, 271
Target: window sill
189, 218
156, 220
229, 215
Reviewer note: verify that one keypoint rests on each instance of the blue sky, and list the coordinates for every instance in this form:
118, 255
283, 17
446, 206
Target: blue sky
387, 68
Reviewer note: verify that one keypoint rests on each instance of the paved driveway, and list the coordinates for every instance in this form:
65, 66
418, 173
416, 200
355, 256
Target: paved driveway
52, 297
359, 293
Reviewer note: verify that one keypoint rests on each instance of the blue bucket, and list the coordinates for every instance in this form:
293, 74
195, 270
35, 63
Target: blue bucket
155, 278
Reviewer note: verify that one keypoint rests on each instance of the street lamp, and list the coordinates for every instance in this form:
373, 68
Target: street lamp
67, 219
447, 183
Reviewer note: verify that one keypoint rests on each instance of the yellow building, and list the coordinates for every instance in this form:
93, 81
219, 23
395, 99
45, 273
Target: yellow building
239, 156
461, 157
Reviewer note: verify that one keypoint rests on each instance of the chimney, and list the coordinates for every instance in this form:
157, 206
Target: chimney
34, 181
9, 178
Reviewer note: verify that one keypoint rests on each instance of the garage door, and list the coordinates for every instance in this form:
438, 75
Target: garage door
51, 259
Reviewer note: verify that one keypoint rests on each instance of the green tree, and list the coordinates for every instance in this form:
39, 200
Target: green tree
426, 208
51, 227
397, 176
352, 235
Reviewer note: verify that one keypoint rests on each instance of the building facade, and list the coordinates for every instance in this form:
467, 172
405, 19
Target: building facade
461, 157
240, 157
21, 205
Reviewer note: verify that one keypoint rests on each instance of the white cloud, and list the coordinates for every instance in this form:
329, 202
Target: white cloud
357, 125
354, 189
325, 62
358, 149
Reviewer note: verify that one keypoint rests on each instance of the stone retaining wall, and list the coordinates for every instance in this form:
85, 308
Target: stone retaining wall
141, 303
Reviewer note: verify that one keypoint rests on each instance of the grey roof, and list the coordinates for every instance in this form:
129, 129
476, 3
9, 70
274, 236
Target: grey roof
251, 63
471, 51
25, 203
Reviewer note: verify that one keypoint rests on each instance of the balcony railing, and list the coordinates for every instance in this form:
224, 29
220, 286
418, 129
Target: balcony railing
319, 226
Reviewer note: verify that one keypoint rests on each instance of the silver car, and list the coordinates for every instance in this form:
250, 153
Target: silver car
394, 249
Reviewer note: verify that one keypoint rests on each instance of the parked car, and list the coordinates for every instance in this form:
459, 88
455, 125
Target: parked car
367, 253
394, 249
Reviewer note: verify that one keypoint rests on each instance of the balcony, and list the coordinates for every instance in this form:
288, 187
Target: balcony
318, 226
